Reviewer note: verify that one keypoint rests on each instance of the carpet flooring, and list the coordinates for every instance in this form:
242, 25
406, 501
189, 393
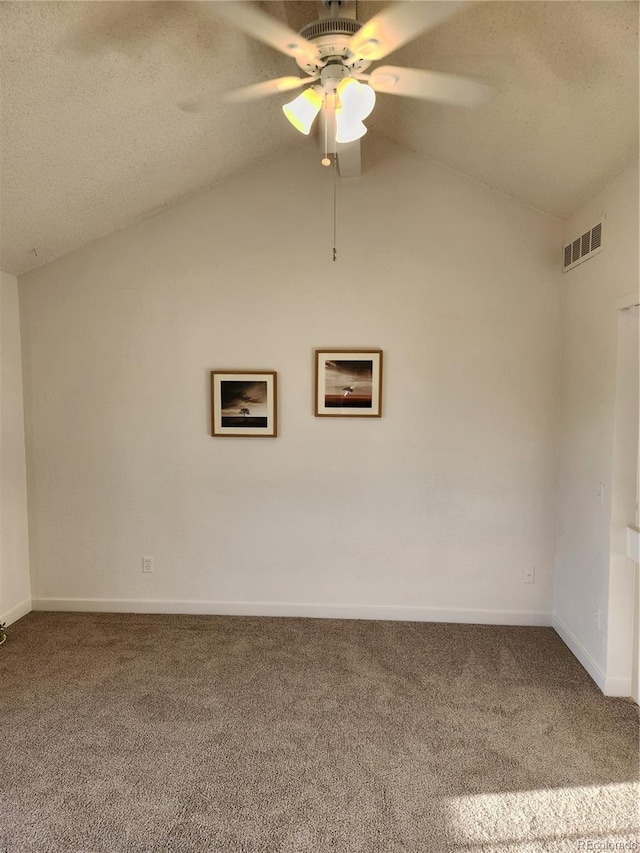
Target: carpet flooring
141, 734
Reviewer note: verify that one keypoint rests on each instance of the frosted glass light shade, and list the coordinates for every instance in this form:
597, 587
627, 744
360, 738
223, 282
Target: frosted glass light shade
302, 111
356, 98
348, 129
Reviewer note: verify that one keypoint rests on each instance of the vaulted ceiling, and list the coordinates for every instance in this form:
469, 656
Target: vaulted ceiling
110, 111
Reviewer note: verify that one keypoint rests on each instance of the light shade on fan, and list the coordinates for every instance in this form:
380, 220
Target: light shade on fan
302, 111
354, 103
356, 98
348, 129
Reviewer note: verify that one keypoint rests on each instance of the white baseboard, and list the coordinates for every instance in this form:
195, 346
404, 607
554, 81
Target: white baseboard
279, 608
609, 686
617, 687
17, 612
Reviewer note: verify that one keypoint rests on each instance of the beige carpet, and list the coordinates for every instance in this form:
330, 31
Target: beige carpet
238, 735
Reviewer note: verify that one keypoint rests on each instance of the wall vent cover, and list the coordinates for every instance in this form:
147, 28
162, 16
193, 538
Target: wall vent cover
583, 247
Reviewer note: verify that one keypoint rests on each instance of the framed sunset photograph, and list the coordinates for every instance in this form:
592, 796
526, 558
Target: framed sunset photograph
244, 403
348, 383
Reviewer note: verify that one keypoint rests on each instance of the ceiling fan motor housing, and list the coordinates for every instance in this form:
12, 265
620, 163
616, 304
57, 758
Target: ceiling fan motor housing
331, 37
331, 75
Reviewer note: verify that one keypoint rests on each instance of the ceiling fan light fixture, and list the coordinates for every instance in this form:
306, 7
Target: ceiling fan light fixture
301, 112
348, 129
358, 99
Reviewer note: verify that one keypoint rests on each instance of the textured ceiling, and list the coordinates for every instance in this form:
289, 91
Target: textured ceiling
111, 110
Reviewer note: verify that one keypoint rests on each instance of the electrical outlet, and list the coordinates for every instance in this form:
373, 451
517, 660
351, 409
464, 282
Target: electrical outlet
600, 492
147, 565
596, 616
529, 575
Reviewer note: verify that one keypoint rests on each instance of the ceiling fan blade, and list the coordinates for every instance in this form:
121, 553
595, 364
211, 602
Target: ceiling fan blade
398, 24
263, 27
429, 85
268, 87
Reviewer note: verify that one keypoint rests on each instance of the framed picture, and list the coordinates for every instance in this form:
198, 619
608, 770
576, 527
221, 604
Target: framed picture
348, 383
243, 403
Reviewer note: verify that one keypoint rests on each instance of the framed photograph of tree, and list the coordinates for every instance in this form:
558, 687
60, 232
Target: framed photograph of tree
348, 383
244, 403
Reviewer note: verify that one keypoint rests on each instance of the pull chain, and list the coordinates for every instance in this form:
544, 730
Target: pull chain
327, 162
335, 205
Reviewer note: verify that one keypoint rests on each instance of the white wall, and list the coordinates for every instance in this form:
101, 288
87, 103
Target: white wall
432, 512
15, 586
623, 644
587, 567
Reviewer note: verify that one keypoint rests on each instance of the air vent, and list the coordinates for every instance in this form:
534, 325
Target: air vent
583, 247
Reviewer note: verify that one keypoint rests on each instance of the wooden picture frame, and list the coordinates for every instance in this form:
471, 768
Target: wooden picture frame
348, 383
244, 403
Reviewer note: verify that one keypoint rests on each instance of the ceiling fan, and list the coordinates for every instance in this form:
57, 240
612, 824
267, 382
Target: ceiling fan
335, 52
